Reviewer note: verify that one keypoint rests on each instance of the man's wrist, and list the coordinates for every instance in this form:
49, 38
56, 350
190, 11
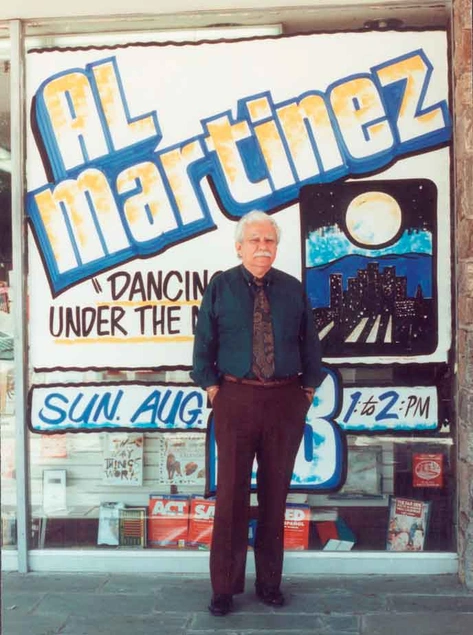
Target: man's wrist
309, 392
211, 393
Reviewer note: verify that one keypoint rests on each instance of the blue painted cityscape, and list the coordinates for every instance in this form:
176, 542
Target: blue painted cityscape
370, 263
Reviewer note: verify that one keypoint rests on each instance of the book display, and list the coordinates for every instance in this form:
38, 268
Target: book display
181, 519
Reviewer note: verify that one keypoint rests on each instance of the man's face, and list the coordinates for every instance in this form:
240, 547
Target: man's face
258, 247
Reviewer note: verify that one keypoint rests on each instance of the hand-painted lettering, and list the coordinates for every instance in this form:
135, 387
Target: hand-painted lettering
110, 205
405, 83
61, 408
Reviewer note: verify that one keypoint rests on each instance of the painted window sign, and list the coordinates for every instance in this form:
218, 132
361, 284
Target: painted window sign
393, 408
117, 195
164, 407
322, 457
372, 285
136, 181
153, 304
127, 406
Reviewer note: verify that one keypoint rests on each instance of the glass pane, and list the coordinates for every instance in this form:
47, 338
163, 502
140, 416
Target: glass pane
116, 293
7, 387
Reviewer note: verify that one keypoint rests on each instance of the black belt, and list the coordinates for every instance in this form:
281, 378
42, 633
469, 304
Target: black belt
269, 383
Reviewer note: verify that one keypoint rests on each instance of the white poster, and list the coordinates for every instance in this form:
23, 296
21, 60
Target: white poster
141, 159
182, 459
123, 459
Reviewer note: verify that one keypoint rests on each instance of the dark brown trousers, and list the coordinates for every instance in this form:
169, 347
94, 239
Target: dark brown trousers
266, 423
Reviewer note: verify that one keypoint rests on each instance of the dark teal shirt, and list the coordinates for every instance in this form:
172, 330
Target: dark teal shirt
224, 331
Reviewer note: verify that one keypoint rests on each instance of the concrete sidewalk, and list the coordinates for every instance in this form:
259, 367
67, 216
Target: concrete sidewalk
119, 604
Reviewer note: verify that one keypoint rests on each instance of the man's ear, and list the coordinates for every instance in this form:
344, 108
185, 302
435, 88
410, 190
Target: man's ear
238, 249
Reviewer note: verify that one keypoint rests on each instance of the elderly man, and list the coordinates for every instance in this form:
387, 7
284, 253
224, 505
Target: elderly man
257, 354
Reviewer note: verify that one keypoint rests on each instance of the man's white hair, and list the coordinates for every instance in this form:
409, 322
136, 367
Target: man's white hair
255, 217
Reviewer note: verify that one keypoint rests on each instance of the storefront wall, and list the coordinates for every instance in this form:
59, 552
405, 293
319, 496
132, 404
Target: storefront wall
77, 476
462, 80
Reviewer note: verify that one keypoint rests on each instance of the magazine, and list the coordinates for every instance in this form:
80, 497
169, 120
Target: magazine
407, 524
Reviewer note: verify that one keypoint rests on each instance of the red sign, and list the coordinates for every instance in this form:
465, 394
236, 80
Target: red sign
427, 470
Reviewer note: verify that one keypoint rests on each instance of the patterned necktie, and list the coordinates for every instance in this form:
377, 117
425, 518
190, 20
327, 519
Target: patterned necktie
263, 338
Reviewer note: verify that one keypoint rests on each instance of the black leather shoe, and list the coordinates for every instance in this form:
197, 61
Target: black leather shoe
271, 596
220, 604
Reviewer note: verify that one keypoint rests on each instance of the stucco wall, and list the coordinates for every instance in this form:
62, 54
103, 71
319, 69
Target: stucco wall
463, 111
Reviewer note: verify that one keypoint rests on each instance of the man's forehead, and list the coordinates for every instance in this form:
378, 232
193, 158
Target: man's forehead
259, 229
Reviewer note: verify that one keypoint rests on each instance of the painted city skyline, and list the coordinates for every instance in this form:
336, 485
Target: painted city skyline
369, 266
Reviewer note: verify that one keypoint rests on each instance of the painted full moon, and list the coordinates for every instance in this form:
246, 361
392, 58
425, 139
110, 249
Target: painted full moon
373, 218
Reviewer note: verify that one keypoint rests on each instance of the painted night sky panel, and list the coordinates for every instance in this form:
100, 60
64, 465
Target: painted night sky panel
370, 262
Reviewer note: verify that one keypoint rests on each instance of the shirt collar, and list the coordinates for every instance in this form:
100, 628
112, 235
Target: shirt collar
249, 277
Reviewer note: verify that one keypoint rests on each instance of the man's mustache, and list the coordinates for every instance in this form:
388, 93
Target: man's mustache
263, 253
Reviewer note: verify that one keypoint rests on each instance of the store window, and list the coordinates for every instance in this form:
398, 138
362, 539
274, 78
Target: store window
7, 386
135, 181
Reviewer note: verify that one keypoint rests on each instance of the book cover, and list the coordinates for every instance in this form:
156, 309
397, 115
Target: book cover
407, 524
296, 527
182, 460
132, 526
201, 522
123, 459
335, 535
168, 520
109, 524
